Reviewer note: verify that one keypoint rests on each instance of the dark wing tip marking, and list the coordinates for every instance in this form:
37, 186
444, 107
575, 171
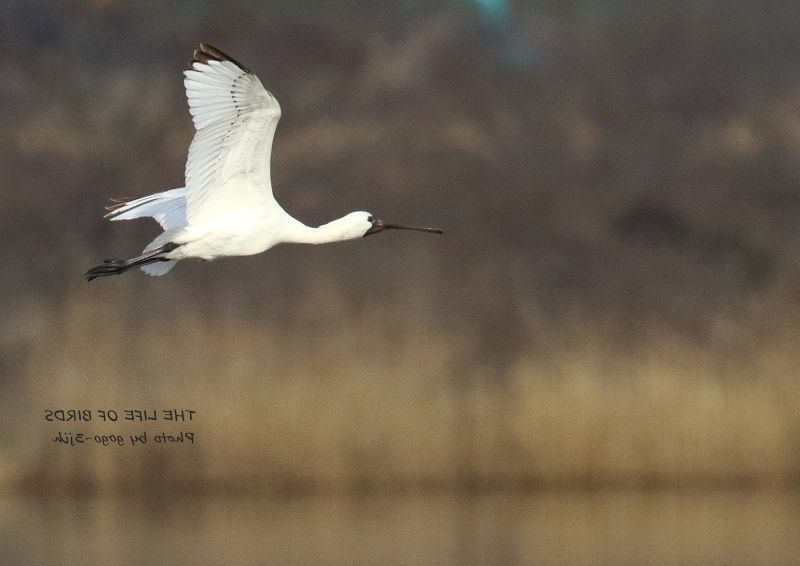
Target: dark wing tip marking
115, 209
206, 53
117, 203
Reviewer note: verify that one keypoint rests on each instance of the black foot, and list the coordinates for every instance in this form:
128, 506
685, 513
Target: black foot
108, 267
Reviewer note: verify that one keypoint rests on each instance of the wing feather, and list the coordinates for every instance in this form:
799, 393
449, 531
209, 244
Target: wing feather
235, 119
167, 208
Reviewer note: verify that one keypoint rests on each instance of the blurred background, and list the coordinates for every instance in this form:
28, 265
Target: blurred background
596, 363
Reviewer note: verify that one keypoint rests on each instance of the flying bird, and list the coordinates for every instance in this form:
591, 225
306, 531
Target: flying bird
227, 207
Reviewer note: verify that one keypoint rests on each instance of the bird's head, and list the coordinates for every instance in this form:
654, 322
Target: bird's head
366, 224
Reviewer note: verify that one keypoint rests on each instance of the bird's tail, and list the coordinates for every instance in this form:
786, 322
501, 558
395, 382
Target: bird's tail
118, 266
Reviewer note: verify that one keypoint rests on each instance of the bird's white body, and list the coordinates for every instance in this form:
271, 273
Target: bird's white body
227, 207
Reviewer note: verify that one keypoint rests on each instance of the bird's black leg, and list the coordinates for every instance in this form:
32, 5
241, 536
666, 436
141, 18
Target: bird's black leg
118, 266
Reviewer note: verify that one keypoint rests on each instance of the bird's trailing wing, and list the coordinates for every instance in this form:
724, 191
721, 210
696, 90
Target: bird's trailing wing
167, 208
235, 118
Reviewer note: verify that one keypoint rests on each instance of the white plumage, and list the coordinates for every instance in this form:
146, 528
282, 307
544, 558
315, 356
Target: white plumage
227, 207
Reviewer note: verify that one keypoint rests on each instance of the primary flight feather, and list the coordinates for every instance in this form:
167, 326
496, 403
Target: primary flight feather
227, 207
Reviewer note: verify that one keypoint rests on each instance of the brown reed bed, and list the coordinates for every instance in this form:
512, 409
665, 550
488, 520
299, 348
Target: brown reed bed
345, 406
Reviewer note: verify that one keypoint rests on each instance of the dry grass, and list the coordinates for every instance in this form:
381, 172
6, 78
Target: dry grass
348, 406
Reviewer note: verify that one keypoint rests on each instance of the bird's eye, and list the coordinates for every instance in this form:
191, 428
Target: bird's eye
370, 218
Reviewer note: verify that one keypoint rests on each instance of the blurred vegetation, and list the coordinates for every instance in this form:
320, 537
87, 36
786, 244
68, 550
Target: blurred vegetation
612, 303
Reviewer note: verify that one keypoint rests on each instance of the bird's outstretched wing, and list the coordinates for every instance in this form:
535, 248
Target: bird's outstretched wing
235, 118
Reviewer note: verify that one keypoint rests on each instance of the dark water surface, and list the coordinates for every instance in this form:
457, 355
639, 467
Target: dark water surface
727, 527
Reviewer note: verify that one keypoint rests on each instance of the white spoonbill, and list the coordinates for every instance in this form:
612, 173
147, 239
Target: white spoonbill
227, 207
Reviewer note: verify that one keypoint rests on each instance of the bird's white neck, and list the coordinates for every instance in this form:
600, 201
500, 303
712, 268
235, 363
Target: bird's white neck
334, 231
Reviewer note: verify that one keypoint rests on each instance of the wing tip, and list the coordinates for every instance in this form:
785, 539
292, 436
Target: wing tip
116, 204
206, 53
